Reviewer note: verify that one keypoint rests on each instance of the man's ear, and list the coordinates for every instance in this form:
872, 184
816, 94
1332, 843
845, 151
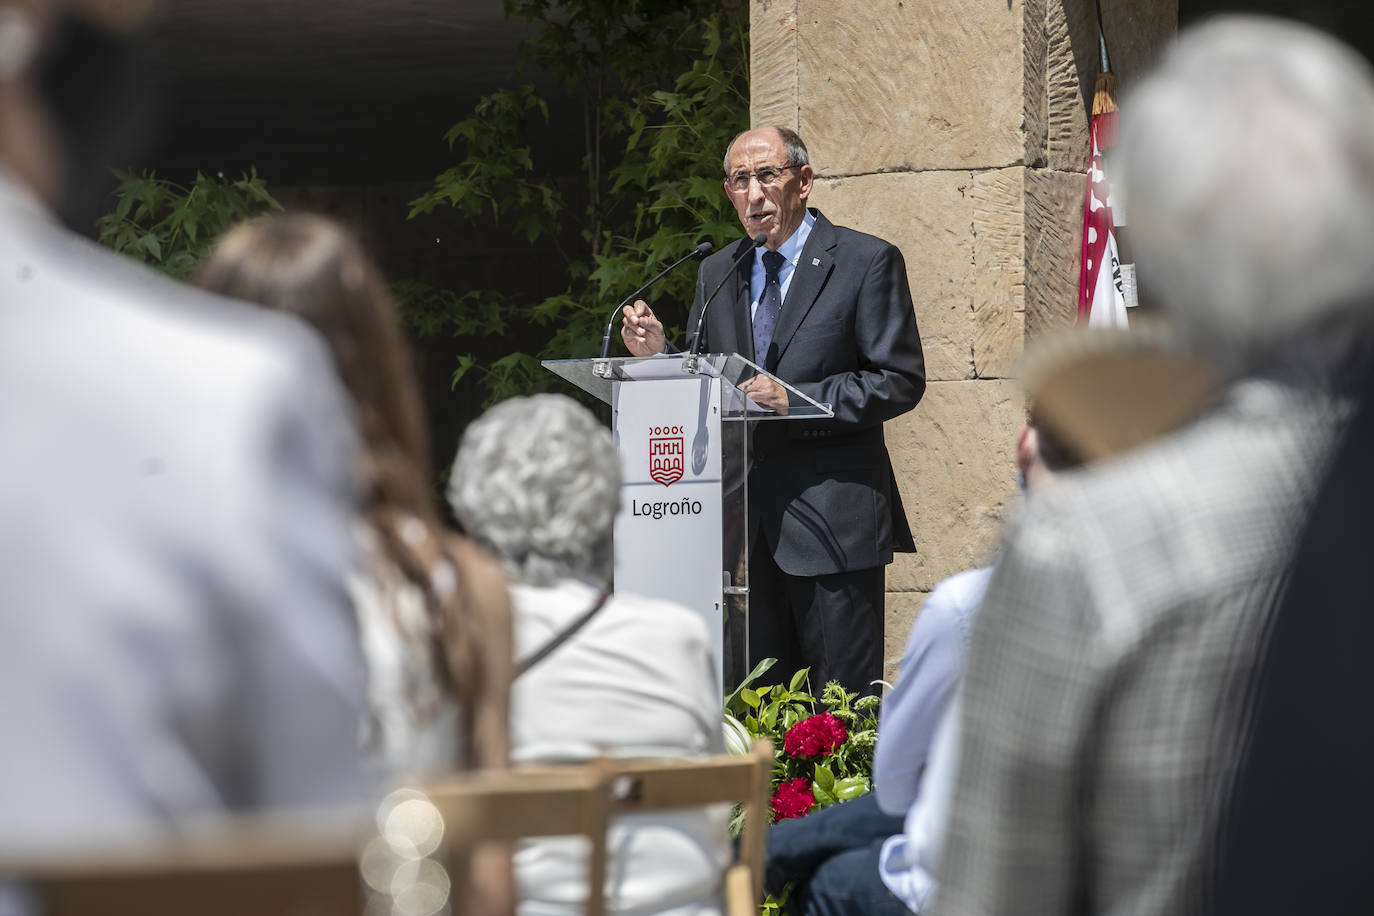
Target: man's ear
22, 30
1026, 449
807, 179
29, 147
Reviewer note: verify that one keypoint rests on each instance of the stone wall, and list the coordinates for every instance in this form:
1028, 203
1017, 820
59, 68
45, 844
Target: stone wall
958, 130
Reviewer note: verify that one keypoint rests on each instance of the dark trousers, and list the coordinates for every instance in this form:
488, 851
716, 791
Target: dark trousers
832, 624
832, 856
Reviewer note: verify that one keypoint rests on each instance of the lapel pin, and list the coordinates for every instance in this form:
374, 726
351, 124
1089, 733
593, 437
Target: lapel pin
815, 262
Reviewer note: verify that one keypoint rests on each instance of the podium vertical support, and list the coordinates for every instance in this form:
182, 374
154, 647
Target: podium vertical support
668, 536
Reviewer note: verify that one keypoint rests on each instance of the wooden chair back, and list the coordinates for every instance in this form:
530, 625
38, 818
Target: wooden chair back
308, 864
640, 786
271, 867
504, 806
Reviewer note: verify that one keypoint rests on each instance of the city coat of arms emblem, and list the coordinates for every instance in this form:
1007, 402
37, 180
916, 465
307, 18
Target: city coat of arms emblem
665, 454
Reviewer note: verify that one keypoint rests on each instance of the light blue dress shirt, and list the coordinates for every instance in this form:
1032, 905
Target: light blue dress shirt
909, 860
908, 774
931, 666
791, 251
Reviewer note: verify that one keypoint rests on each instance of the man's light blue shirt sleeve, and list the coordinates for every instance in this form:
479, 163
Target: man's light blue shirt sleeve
908, 861
930, 670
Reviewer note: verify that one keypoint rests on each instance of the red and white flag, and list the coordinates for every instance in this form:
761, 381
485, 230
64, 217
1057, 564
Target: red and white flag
1105, 286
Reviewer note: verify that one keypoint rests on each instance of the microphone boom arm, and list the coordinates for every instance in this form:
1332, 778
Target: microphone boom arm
696, 253
758, 240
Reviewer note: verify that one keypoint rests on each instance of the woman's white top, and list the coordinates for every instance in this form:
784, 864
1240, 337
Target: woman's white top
639, 680
412, 725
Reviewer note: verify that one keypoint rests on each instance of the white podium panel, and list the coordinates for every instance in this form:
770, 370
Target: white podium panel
681, 534
668, 533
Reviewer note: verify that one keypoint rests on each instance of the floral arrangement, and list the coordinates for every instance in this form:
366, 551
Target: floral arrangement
824, 747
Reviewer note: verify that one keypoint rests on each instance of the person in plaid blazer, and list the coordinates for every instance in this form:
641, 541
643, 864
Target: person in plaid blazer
1111, 665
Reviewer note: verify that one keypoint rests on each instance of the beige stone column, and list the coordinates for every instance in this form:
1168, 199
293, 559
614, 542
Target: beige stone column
958, 130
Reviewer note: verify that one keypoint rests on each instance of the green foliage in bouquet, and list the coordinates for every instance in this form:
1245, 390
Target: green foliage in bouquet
824, 748
172, 226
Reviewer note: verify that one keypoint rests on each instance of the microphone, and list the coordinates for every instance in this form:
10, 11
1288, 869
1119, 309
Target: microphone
696, 254
757, 240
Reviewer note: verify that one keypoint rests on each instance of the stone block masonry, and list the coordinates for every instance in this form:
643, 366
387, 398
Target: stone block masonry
958, 130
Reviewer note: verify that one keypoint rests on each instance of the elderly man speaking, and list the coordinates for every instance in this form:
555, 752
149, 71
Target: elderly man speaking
829, 311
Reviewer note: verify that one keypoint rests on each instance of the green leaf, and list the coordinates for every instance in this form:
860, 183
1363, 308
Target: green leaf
167, 224
749, 696
465, 364
798, 680
824, 778
754, 675
850, 787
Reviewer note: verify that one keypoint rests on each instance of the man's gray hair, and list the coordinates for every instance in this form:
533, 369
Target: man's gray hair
537, 480
1246, 167
794, 150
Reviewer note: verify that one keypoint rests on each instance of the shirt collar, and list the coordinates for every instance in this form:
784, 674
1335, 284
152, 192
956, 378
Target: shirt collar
792, 248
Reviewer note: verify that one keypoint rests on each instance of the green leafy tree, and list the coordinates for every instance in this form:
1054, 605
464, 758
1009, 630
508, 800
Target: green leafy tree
173, 226
663, 87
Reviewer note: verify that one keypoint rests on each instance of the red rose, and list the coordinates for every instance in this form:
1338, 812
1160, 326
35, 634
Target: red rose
794, 798
814, 736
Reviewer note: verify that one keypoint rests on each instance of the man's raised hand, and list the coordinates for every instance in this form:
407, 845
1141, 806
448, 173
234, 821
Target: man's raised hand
641, 331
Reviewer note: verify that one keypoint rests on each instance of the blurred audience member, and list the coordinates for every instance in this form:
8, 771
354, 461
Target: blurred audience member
175, 495
1107, 684
538, 480
1298, 836
432, 612
855, 857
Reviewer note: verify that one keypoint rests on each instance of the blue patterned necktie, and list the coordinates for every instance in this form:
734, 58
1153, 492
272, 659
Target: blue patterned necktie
770, 306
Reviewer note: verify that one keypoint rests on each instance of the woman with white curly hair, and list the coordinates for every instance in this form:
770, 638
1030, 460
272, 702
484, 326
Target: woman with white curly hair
538, 481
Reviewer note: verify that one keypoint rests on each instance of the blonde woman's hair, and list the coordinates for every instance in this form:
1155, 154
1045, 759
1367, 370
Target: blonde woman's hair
311, 267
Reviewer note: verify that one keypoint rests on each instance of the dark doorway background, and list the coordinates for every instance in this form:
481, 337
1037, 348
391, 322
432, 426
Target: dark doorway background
1350, 20
342, 107
323, 93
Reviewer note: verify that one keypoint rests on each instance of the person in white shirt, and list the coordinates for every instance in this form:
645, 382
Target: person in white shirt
537, 480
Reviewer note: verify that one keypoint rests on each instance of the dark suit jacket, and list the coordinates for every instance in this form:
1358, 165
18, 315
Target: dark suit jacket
1298, 835
822, 491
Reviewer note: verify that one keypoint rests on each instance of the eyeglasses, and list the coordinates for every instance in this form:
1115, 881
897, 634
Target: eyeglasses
767, 176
